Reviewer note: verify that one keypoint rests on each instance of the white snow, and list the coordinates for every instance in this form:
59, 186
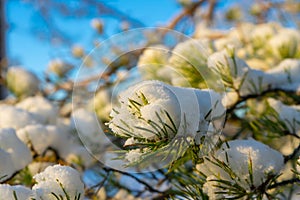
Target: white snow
289, 115
14, 151
45, 110
12, 117
54, 178
40, 137
239, 153
22, 192
22, 82
186, 107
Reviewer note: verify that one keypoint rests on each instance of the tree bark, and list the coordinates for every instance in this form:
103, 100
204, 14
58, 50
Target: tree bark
3, 60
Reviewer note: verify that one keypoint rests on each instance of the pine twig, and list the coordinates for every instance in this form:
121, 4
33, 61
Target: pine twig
283, 183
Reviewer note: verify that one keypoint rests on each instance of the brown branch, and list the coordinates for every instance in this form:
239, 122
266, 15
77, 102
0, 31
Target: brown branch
292, 155
112, 67
104, 9
148, 186
89, 192
188, 11
253, 96
210, 13
70, 84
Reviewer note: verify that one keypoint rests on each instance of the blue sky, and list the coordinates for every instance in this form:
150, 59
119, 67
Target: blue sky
25, 48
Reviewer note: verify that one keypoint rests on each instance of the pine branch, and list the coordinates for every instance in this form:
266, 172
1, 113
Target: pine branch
283, 183
292, 155
253, 96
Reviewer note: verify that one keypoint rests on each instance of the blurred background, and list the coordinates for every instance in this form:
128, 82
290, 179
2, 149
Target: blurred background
34, 32
39, 31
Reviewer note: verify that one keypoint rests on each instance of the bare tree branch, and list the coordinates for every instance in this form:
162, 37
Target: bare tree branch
188, 11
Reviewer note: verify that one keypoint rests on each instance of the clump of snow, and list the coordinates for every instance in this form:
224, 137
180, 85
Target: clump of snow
239, 155
57, 138
14, 152
237, 74
21, 192
149, 101
287, 71
133, 155
34, 134
289, 115
188, 61
6, 167
262, 33
12, 117
56, 179
46, 111
234, 37
22, 82
153, 62
285, 44
154, 98
70, 147
61, 181
130, 141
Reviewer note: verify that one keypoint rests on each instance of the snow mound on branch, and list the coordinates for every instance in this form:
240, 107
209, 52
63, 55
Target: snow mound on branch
57, 138
21, 192
46, 111
57, 179
41, 137
22, 82
12, 117
289, 115
189, 110
239, 155
13, 152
